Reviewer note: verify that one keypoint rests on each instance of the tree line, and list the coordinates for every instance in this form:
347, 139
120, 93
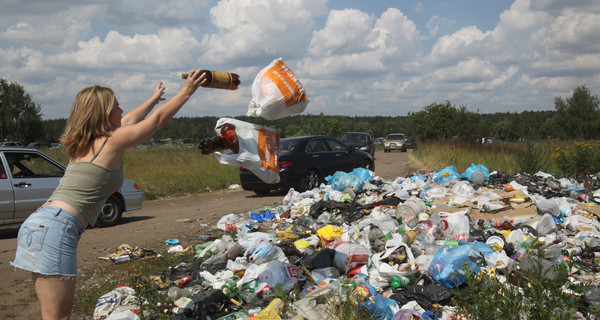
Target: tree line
577, 116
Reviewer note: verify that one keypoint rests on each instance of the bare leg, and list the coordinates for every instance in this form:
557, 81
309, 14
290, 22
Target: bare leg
56, 295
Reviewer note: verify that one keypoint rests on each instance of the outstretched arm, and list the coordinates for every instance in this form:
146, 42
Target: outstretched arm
138, 114
128, 136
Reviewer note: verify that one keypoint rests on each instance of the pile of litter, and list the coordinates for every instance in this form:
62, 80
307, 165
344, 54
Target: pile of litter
397, 249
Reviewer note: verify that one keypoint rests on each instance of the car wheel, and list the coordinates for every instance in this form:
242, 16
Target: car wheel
262, 192
310, 181
367, 165
111, 212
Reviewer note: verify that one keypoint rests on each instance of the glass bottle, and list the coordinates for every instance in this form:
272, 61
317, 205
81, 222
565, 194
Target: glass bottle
227, 140
219, 79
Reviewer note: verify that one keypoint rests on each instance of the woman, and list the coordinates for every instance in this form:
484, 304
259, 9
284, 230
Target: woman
96, 137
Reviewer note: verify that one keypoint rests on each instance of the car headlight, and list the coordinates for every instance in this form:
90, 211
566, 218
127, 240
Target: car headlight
364, 148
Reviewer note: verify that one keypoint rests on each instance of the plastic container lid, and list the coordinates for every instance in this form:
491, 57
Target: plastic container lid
495, 240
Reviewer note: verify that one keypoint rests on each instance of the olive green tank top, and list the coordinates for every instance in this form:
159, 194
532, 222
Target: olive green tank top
86, 186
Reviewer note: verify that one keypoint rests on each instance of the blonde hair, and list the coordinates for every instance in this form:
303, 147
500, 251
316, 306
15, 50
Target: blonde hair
89, 120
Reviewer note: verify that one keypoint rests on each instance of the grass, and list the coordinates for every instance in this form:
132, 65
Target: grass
511, 157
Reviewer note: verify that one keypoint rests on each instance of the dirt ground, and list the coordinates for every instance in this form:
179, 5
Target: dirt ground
182, 218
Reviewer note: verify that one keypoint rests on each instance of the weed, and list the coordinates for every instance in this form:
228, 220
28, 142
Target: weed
97, 281
535, 293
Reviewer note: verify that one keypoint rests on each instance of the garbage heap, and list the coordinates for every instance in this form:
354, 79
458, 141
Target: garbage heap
398, 249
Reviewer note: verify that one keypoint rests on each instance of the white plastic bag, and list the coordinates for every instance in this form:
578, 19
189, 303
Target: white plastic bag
259, 149
276, 92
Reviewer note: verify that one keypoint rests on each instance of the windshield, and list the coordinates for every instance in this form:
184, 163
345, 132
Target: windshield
354, 137
395, 137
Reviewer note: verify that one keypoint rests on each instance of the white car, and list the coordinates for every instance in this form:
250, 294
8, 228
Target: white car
28, 177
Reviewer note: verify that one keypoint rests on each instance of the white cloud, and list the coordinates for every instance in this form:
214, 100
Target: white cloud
351, 60
254, 29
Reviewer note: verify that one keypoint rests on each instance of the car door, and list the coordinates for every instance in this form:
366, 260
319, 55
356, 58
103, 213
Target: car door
33, 177
319, 156
7, 203
341, 159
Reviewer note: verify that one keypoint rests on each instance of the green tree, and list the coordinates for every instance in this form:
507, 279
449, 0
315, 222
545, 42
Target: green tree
20, 117
578, 114
443, 121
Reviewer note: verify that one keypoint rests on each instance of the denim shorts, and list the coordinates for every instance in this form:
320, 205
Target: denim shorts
47, 242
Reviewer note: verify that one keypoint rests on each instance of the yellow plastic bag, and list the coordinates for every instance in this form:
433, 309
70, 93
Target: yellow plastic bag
272, 311
329, 232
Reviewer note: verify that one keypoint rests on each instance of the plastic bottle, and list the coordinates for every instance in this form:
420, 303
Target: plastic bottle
402, 281
176, 292
227, 140
219, 79
504, 224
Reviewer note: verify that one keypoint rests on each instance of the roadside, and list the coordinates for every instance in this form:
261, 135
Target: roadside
183, 218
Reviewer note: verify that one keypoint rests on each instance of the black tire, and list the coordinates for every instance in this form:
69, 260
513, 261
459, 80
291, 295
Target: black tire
262, 192
367, 165
111, 212
310, 181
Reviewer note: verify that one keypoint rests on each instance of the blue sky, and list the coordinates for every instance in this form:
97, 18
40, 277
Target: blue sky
354, 57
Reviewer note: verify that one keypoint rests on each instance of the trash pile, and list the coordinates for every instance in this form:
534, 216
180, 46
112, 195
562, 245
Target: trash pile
397, 248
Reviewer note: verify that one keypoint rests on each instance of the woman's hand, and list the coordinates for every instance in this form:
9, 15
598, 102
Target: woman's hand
194, 80
157, 96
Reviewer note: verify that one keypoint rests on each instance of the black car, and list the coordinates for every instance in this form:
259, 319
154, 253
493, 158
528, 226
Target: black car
304, 162
360, 140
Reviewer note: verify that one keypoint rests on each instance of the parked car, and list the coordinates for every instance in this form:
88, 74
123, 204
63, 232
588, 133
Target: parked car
494, 140
35, 145
410, 144
395, 141
304, 162
55, 145
28, 177
360, 140
7, 144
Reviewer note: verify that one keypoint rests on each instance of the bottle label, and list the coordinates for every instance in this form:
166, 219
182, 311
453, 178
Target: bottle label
221, 80
287, 83
230, 137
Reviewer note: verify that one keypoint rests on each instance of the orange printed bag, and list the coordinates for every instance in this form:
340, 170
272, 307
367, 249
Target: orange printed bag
259, 149
276, 92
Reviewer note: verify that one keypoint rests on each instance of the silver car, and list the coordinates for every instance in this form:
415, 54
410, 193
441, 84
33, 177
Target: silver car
28, 177
395, 141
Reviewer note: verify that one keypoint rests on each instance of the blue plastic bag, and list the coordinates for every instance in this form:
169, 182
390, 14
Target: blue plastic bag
474, 167
363, 174
380, 307
446, 175
342, 180
262, 216
450, 264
